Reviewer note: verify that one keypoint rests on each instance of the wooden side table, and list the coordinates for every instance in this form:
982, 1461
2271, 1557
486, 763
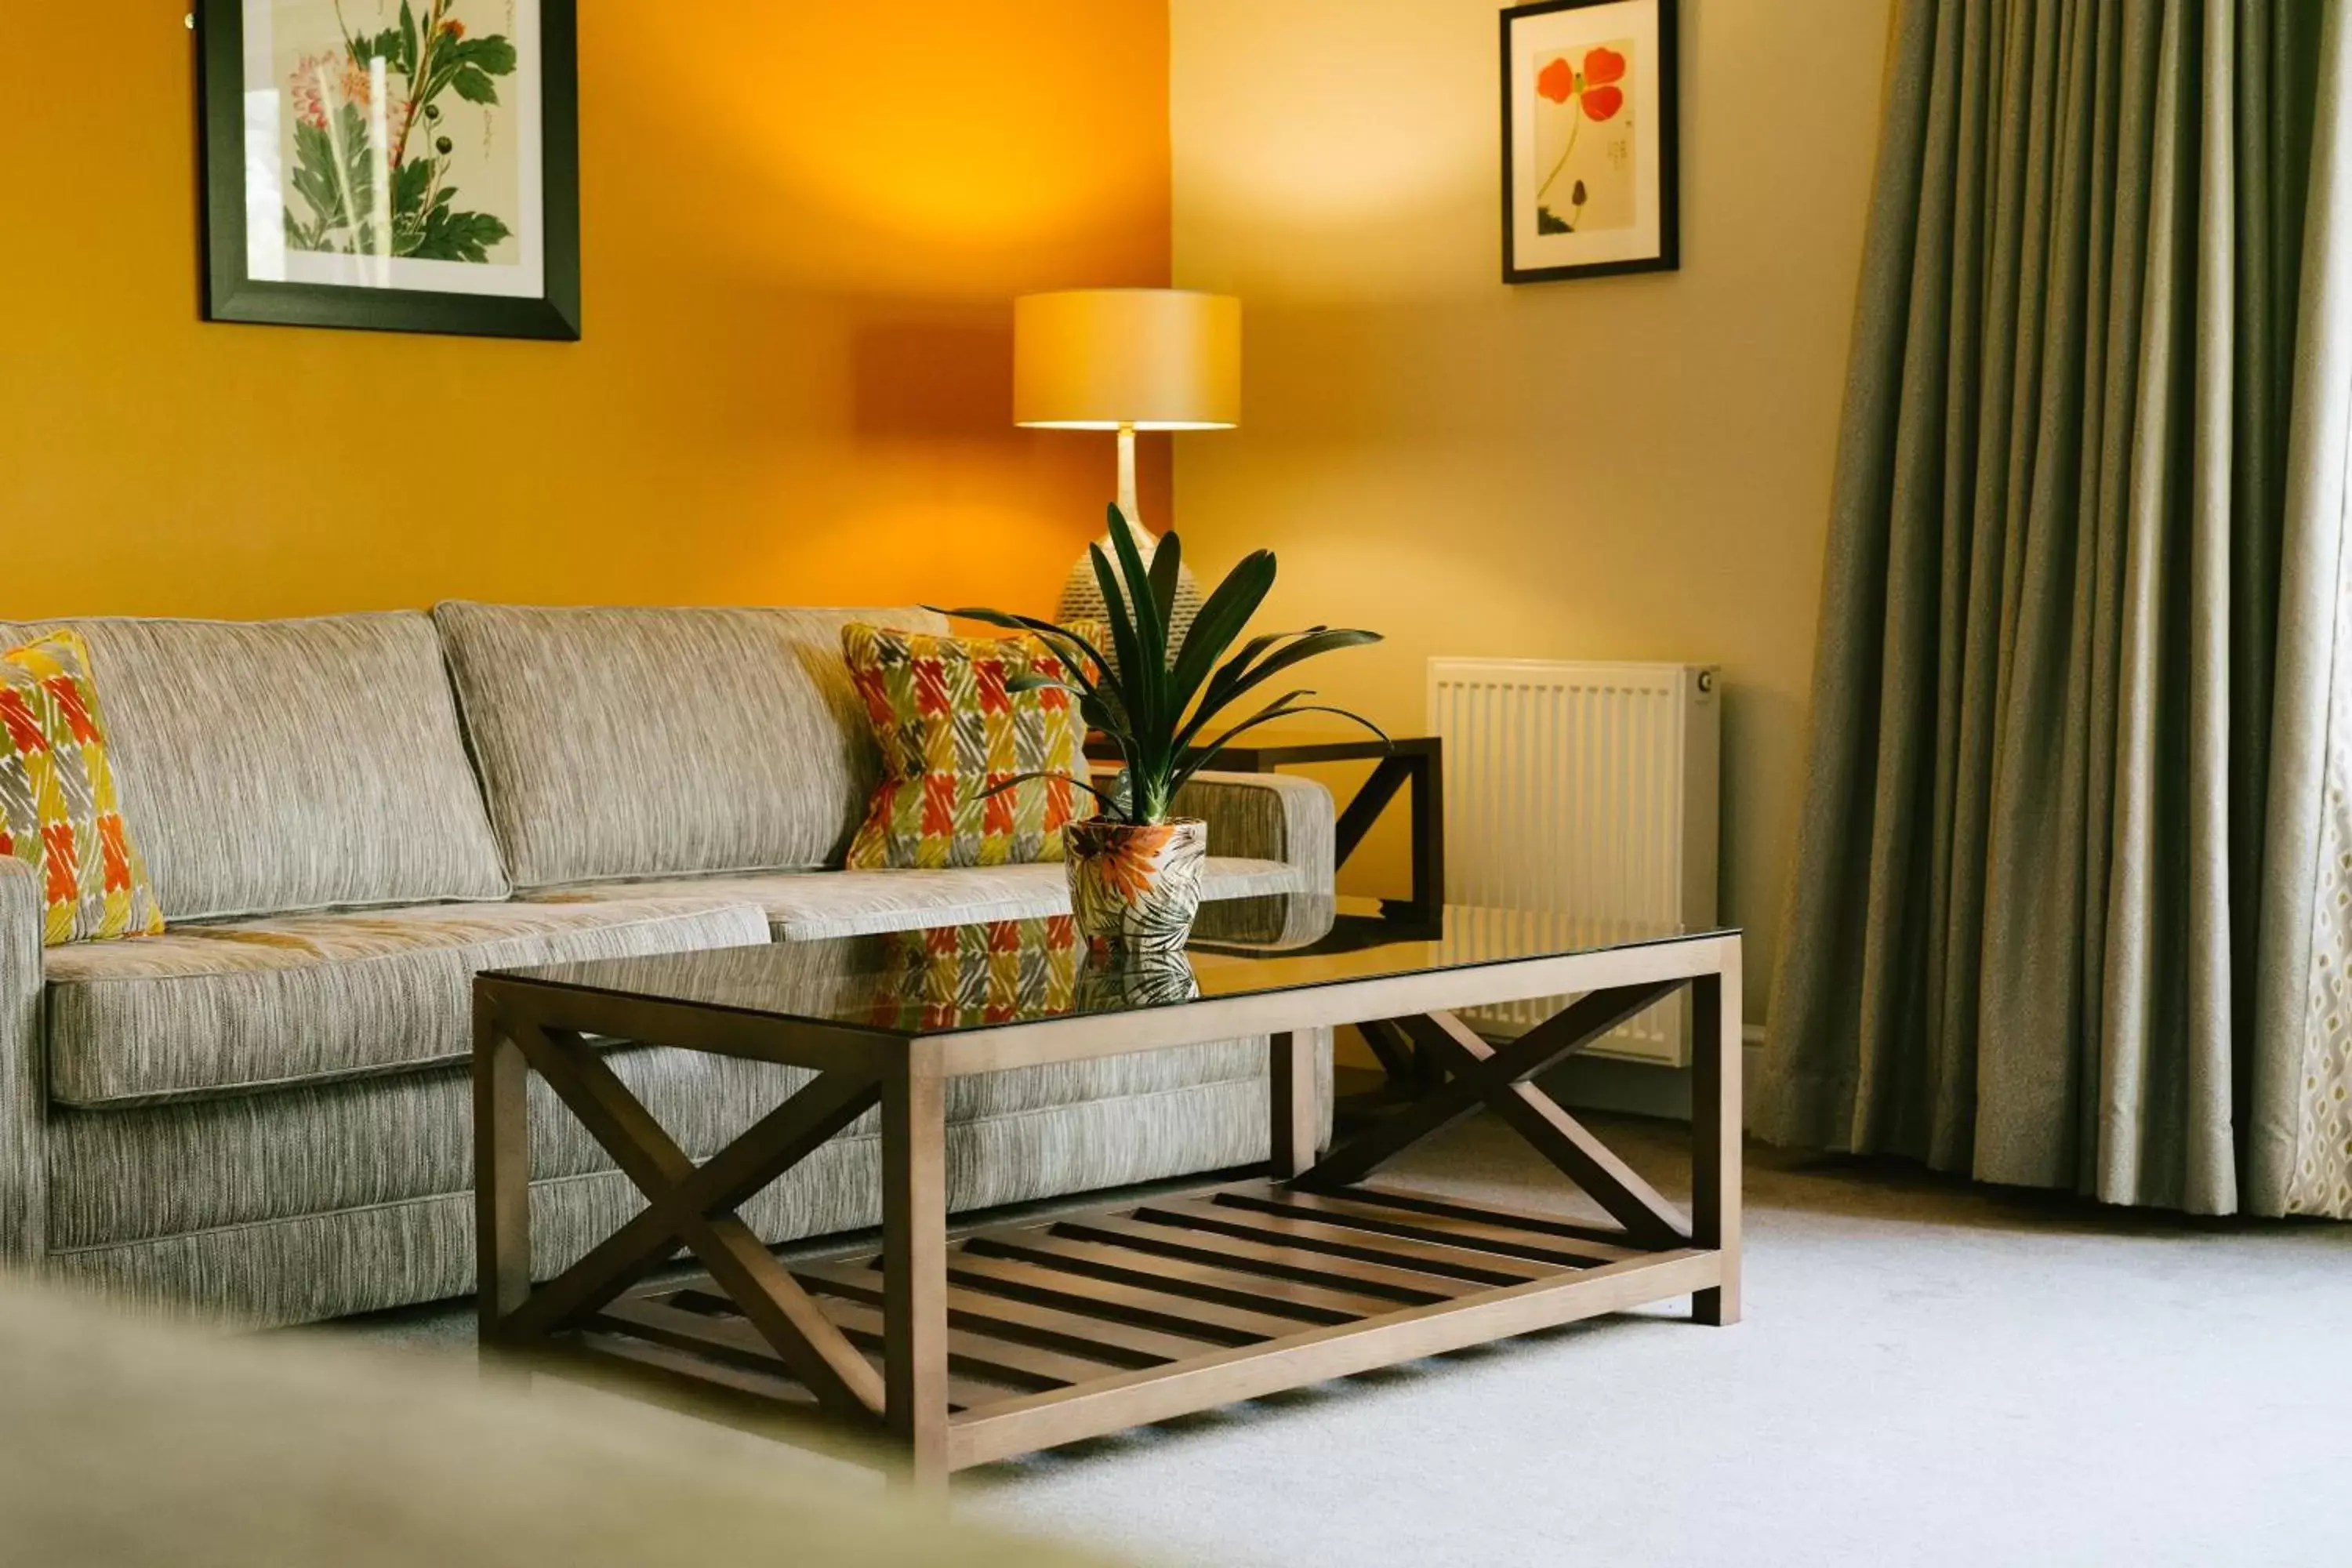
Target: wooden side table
1412, 760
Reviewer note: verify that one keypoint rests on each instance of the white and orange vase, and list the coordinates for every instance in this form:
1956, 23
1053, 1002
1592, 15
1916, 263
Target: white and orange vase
1133, 886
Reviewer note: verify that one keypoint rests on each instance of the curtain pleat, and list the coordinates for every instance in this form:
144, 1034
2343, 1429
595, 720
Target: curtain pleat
2030, 933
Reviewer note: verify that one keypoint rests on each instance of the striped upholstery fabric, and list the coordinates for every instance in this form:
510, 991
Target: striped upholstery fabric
802, 907
22, 1109
242, 1159
621, 744
272, 766
207, 1009
1267, 816
308, 1265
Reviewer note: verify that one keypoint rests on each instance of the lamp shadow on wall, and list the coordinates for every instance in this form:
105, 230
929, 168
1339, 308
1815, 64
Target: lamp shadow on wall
946, 375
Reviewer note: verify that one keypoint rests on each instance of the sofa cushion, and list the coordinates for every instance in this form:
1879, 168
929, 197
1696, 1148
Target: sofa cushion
206, 1010
953, 734
802, 907
267, 767
125, 1174
58, 811
621, 744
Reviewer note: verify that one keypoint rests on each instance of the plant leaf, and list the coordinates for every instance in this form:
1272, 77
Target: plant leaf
1222, 616
1014, 780
1151, 627
1223, 693
1129, 674
1195, 761
474, 85
491, 53
1046, 631
1167, 561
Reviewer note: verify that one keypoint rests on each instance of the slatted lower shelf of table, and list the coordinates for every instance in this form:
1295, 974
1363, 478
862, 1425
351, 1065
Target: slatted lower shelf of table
1091, 1323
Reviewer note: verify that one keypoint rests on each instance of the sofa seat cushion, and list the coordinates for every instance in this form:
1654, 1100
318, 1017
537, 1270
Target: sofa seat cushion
208, 1010
806, 906
267, 767
121, 1174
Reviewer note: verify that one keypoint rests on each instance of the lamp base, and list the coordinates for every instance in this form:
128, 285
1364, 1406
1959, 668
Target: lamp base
1082, 597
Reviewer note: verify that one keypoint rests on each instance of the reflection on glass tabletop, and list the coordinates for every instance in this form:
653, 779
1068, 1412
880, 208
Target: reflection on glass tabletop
954, 979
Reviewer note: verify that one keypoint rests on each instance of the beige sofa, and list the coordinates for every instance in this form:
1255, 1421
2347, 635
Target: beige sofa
264, 1110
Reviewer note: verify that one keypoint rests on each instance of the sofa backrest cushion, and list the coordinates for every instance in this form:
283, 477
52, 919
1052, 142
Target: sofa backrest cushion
272, 767
622, 742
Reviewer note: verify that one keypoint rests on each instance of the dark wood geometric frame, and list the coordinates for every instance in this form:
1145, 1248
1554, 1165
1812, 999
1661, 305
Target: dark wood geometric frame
230, 295
1024, 1337
1415, 764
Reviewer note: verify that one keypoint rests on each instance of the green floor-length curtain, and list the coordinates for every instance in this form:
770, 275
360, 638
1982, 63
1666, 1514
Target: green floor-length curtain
2053, 905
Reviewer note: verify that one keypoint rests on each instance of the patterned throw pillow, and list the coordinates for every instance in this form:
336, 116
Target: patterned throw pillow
56, 797
949, 730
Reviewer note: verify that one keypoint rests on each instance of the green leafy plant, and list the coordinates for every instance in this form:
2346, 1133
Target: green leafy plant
336, 158
1154, 702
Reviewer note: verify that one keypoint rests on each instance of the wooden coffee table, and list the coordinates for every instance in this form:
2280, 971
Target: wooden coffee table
1011, 1340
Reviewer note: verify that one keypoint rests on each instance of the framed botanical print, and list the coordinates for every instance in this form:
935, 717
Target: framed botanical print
405, 165
1589, 110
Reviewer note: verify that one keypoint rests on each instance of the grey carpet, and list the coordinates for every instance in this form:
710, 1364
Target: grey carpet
1929, 1374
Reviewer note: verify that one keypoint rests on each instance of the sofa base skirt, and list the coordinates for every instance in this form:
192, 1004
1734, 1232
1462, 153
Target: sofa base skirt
309, 1267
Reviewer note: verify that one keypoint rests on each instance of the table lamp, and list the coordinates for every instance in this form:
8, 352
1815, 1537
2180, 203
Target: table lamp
1127, 360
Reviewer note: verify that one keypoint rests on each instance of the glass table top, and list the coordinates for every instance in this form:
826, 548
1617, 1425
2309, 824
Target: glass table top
959, 979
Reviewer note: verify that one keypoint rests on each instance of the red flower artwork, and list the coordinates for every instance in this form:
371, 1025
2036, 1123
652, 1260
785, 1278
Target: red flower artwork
1598, 98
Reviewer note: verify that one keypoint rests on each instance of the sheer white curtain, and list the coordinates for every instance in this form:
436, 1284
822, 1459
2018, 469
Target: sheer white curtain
2301, 1142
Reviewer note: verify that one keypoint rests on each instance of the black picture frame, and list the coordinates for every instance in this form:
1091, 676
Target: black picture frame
1669, 114
231, 295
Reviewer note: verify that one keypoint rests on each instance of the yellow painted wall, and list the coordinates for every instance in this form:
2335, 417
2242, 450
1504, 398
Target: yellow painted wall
1632, 468
802, 226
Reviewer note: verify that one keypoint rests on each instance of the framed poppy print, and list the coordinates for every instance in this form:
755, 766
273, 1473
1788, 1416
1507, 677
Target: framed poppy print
405, 165
1589, 110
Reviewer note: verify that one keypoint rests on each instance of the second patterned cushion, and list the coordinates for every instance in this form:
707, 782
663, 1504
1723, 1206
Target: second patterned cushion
949, 730
57, 807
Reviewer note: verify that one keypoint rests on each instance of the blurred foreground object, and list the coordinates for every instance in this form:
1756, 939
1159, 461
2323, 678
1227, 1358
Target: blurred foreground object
134, 1442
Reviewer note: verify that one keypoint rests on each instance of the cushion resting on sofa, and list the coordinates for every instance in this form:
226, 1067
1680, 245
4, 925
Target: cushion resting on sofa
204, 1010
804, 906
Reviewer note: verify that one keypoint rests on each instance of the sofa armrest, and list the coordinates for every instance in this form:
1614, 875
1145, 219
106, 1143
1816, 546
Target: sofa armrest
1267, 816
24, 1156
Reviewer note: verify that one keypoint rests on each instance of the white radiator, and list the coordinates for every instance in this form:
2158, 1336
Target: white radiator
1580, 805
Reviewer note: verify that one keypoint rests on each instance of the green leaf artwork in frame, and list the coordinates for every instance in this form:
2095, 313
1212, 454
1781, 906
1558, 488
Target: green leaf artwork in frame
333, 204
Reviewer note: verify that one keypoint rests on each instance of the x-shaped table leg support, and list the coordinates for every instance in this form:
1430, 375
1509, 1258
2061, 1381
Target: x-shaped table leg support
1484, 1076
687, 1204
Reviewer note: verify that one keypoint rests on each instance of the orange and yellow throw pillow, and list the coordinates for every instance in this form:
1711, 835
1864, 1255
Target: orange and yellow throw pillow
56, 797
948, 729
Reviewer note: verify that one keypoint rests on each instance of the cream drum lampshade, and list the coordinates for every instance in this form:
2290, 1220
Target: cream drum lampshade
1127, 360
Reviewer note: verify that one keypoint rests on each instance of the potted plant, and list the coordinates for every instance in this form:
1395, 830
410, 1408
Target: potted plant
1135, 870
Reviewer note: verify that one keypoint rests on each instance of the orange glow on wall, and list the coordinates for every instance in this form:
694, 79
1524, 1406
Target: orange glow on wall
802, 228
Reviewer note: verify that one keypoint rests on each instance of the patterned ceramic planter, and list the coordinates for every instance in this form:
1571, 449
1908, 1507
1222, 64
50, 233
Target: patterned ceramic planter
1135, 888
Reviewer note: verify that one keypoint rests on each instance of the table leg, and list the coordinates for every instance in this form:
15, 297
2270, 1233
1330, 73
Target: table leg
914, 1263
1290, 1096
502, 1172
1716, 1125
1427, 806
